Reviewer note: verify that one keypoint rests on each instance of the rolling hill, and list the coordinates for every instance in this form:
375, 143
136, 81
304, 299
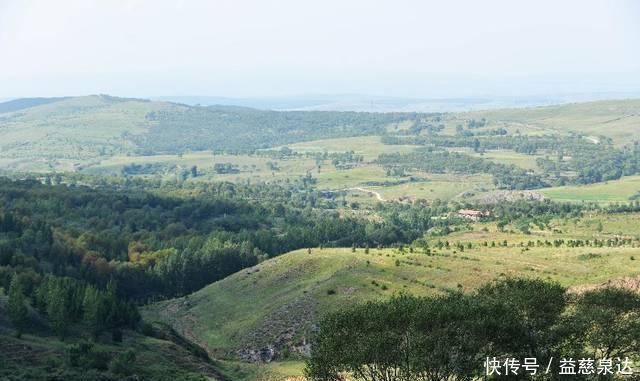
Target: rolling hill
23, 103
72, 133
268, 311
616, 119
67, 133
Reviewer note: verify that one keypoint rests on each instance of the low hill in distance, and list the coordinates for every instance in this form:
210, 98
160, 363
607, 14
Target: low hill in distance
615, 119
68, 133
23, 103
369, 103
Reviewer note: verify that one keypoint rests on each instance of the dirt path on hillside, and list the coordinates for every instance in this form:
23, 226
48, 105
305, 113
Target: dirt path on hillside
378, 195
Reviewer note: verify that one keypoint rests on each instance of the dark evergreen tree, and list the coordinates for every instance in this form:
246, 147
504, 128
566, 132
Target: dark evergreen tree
18, 313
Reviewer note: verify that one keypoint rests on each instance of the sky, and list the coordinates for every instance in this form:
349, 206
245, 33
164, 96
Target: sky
258, 48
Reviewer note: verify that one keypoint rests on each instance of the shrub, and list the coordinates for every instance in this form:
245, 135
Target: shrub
122, 363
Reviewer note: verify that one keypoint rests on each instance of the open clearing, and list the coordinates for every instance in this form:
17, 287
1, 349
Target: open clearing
368, 146
617, 119
507, 157
611, 191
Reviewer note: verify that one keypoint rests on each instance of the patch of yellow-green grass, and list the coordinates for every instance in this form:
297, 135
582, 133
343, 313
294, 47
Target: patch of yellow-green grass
367, 176
592, 225
252, 167
617, 119
507, 157
611, 191
513, 127
288, 370
332, 178
438, 187
255, 169
82, 128
368, 146
601, 226
282, 371
367, 182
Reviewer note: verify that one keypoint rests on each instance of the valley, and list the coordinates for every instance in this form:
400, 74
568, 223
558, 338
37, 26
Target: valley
215, 240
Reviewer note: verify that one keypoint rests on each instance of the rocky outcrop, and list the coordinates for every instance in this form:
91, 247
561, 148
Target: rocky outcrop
510, 196
632, 284
282, 334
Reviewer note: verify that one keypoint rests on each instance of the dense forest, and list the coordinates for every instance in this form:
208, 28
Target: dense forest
138, 244
155, 245
233, 129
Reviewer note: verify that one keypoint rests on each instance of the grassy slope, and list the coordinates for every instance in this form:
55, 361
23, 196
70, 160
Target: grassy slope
506, 157
20, 104
368, 146
43, 358
255, 169
88, 129
611, 191
282, 297
40, 136
72, 130
439, 186
618, 119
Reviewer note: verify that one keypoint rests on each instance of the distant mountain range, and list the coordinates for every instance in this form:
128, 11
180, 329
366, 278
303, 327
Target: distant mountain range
360, 103
354, 102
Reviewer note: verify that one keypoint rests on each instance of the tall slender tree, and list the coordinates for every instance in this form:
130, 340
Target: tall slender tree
18, 313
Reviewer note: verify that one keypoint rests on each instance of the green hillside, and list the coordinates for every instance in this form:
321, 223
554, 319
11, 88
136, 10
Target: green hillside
276, 303
44, 358
163, 199
22, 103
68, 134
623, 190
341, 151
616, 119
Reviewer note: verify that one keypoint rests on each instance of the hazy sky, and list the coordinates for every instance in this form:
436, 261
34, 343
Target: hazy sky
267, 47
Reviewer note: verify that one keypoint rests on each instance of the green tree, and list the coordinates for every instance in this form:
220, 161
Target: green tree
18, 313
93, 310
440, 338
122, 364
405, 338
529, 310
57, 308
607, 322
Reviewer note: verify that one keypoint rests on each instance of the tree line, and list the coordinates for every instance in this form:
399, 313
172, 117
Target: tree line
567, 159
435, 160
